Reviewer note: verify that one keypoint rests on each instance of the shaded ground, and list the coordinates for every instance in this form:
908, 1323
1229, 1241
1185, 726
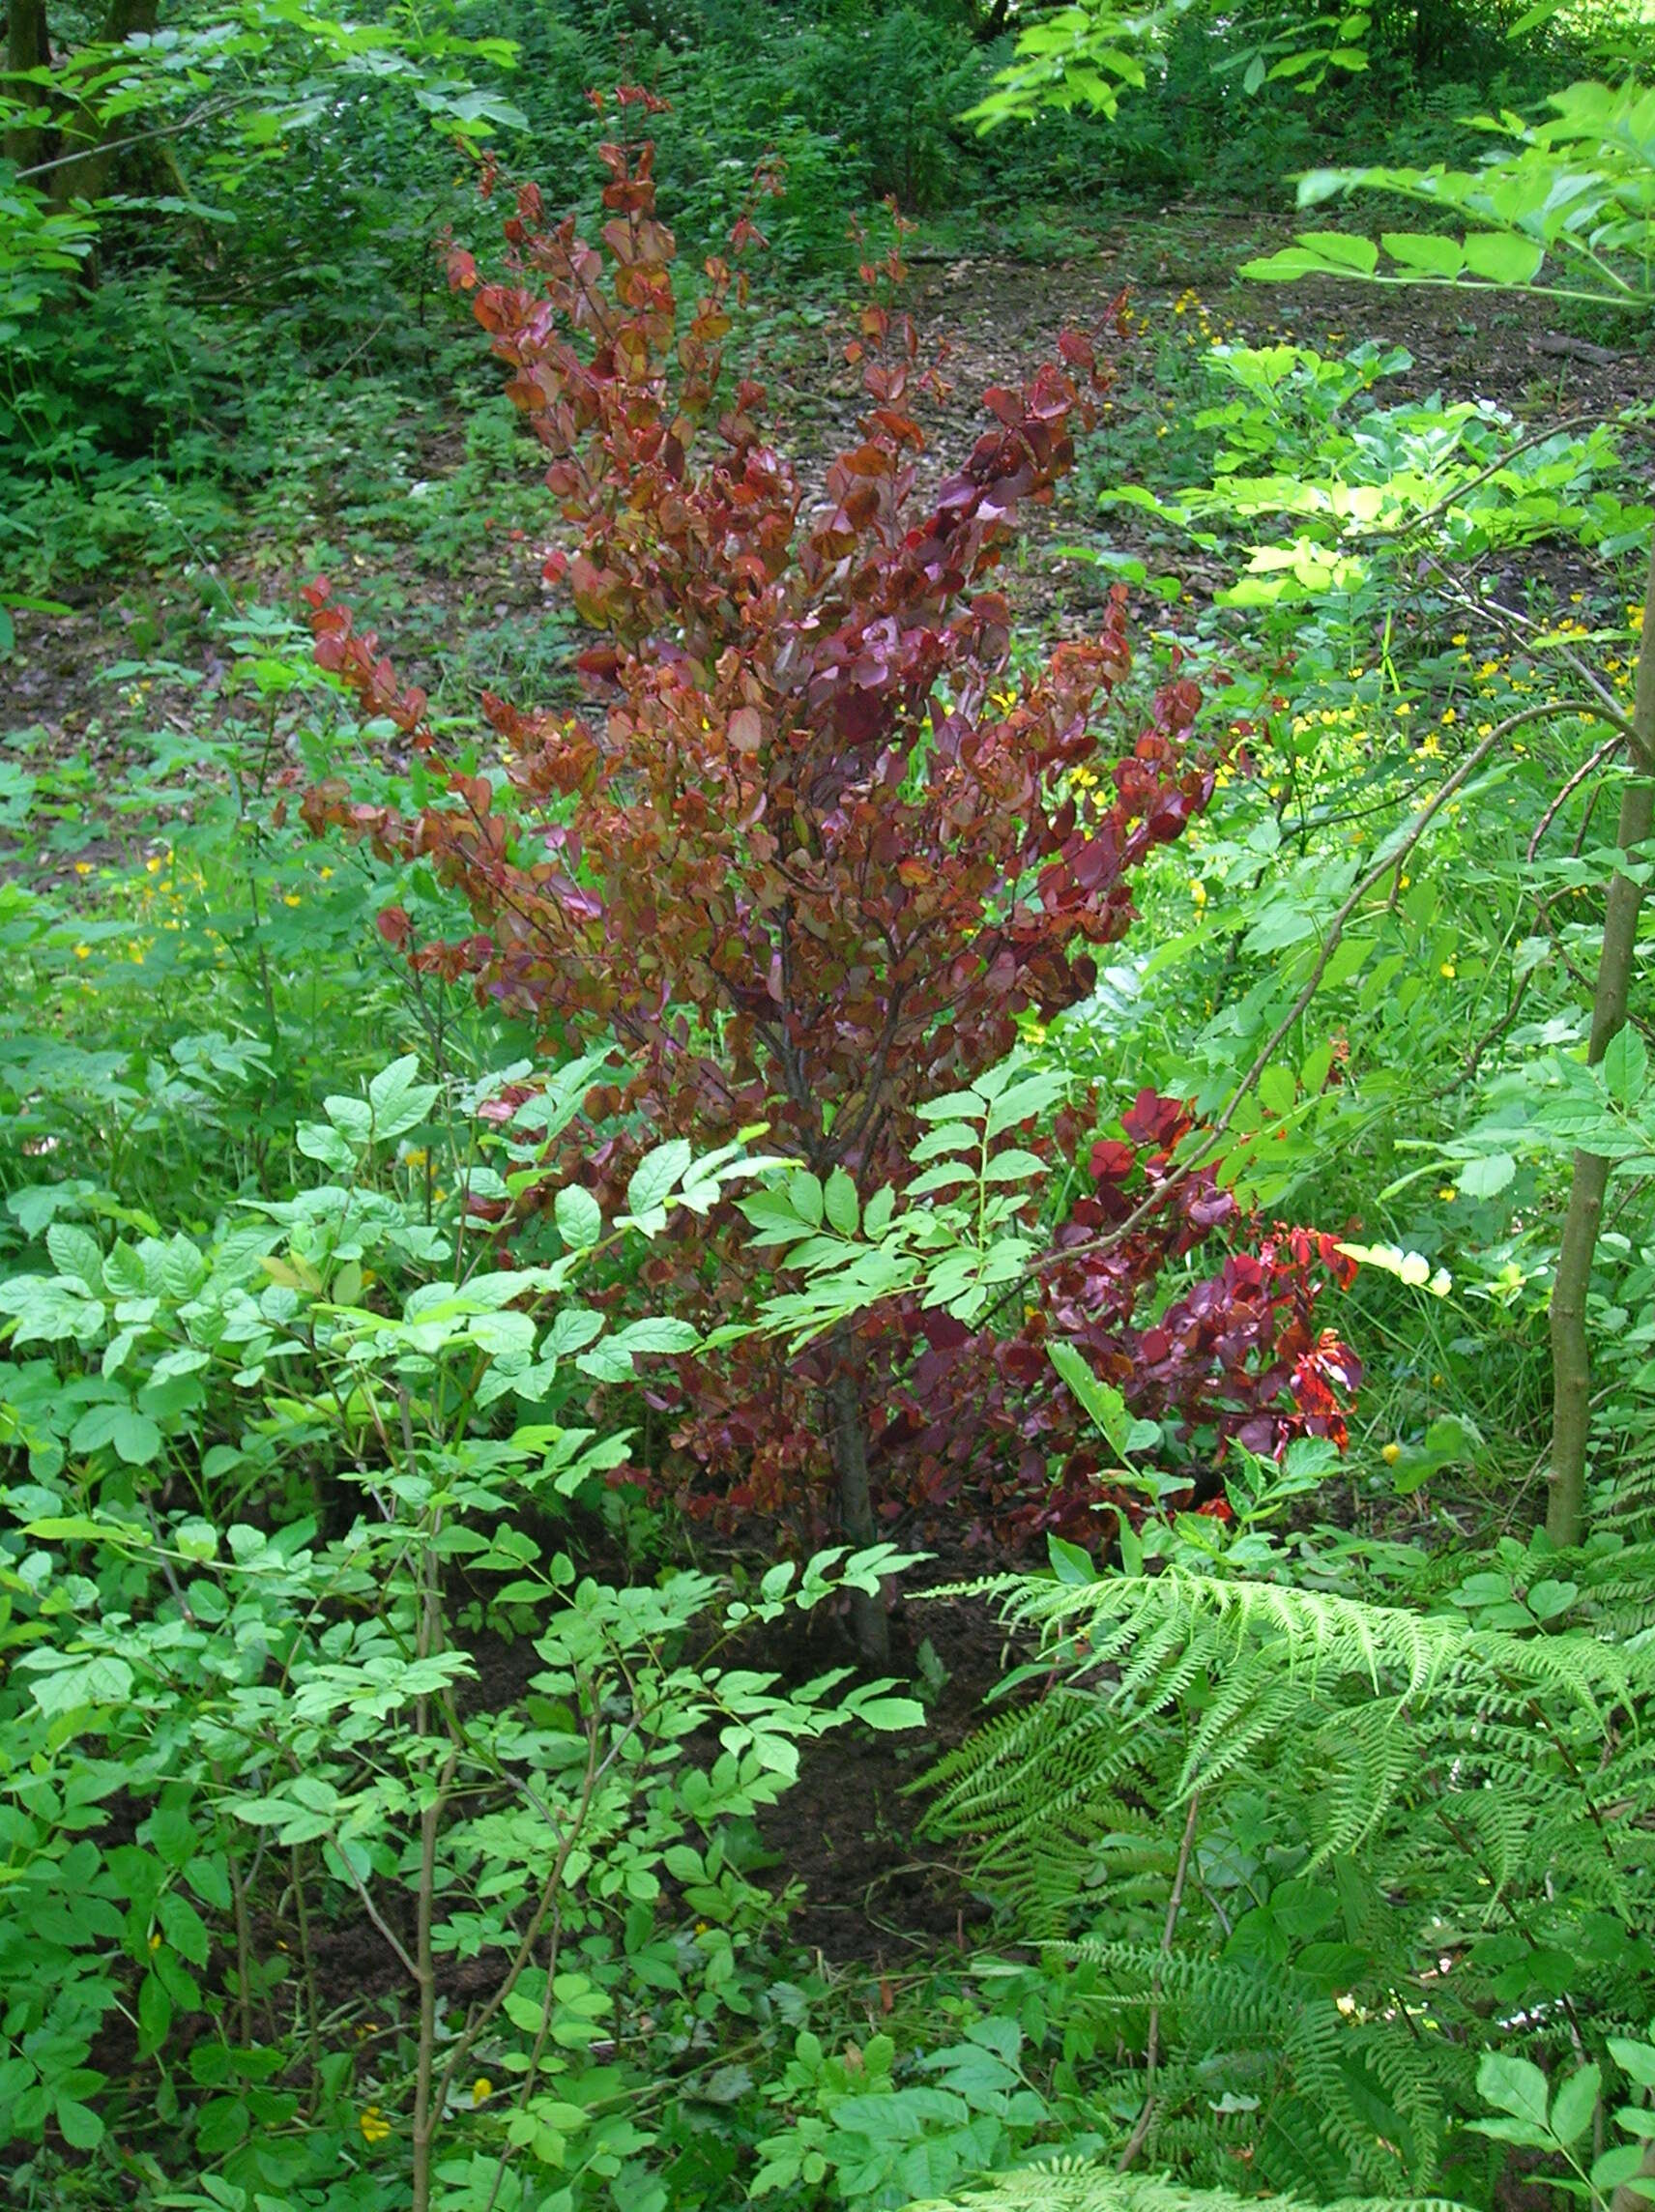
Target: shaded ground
478, 624
876, 1894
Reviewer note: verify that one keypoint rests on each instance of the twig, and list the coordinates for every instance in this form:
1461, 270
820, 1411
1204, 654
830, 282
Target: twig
1588, 767
138, 138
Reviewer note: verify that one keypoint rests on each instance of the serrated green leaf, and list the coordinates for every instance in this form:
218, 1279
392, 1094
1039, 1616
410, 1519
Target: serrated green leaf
1485, 1178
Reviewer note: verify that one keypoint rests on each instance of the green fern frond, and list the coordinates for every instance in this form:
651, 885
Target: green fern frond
1059, 2186
1316, 1635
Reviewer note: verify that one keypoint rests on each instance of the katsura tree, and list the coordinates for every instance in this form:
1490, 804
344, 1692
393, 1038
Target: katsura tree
809, 857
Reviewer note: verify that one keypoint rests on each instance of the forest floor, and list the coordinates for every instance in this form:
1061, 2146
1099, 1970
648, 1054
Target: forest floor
999, 318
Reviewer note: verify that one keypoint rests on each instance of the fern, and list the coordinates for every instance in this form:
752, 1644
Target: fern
1062, 2185
1409, 1831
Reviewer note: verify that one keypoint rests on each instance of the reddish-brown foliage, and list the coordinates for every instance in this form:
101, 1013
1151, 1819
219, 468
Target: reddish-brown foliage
821, 850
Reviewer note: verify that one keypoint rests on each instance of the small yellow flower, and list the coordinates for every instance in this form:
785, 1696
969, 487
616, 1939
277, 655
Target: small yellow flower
290, 898
1458, 639
1198, 892
155, 865
1402, 883
1447, 1194
374, 2125
1449, 715
83, 953
1390, 1454
83, 867
155, 1940
325, 873
1447, 969
482, 2089
1403, 710
1436, 1382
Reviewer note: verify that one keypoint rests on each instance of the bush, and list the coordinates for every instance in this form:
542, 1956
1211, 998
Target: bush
823, 856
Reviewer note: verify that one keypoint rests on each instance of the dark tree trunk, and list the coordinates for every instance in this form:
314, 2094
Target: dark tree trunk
28, 46
88, 141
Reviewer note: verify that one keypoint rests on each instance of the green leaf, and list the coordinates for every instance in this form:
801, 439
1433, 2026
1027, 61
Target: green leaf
839, 1203
1485, 1178
889, 1715
1513, 2085
398, 1103
1431, 255
1574, 2105
659, 1334
1069, 1564
1102, 1402
75, 1252
579, 1217
154, 2013
1637, 2060
79, 2124
806, 1198
654, 1178
1318, 253
1502, 257
135, 1438
1625, 1066
1023, 1099
124, 1275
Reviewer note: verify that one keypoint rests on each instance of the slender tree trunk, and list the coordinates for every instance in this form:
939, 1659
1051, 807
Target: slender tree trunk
28, 46
850, 1442
1571, 1348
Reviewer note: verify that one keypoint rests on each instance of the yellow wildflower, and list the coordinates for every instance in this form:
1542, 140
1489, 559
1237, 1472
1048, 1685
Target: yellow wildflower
1390, 1454
374, 2125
